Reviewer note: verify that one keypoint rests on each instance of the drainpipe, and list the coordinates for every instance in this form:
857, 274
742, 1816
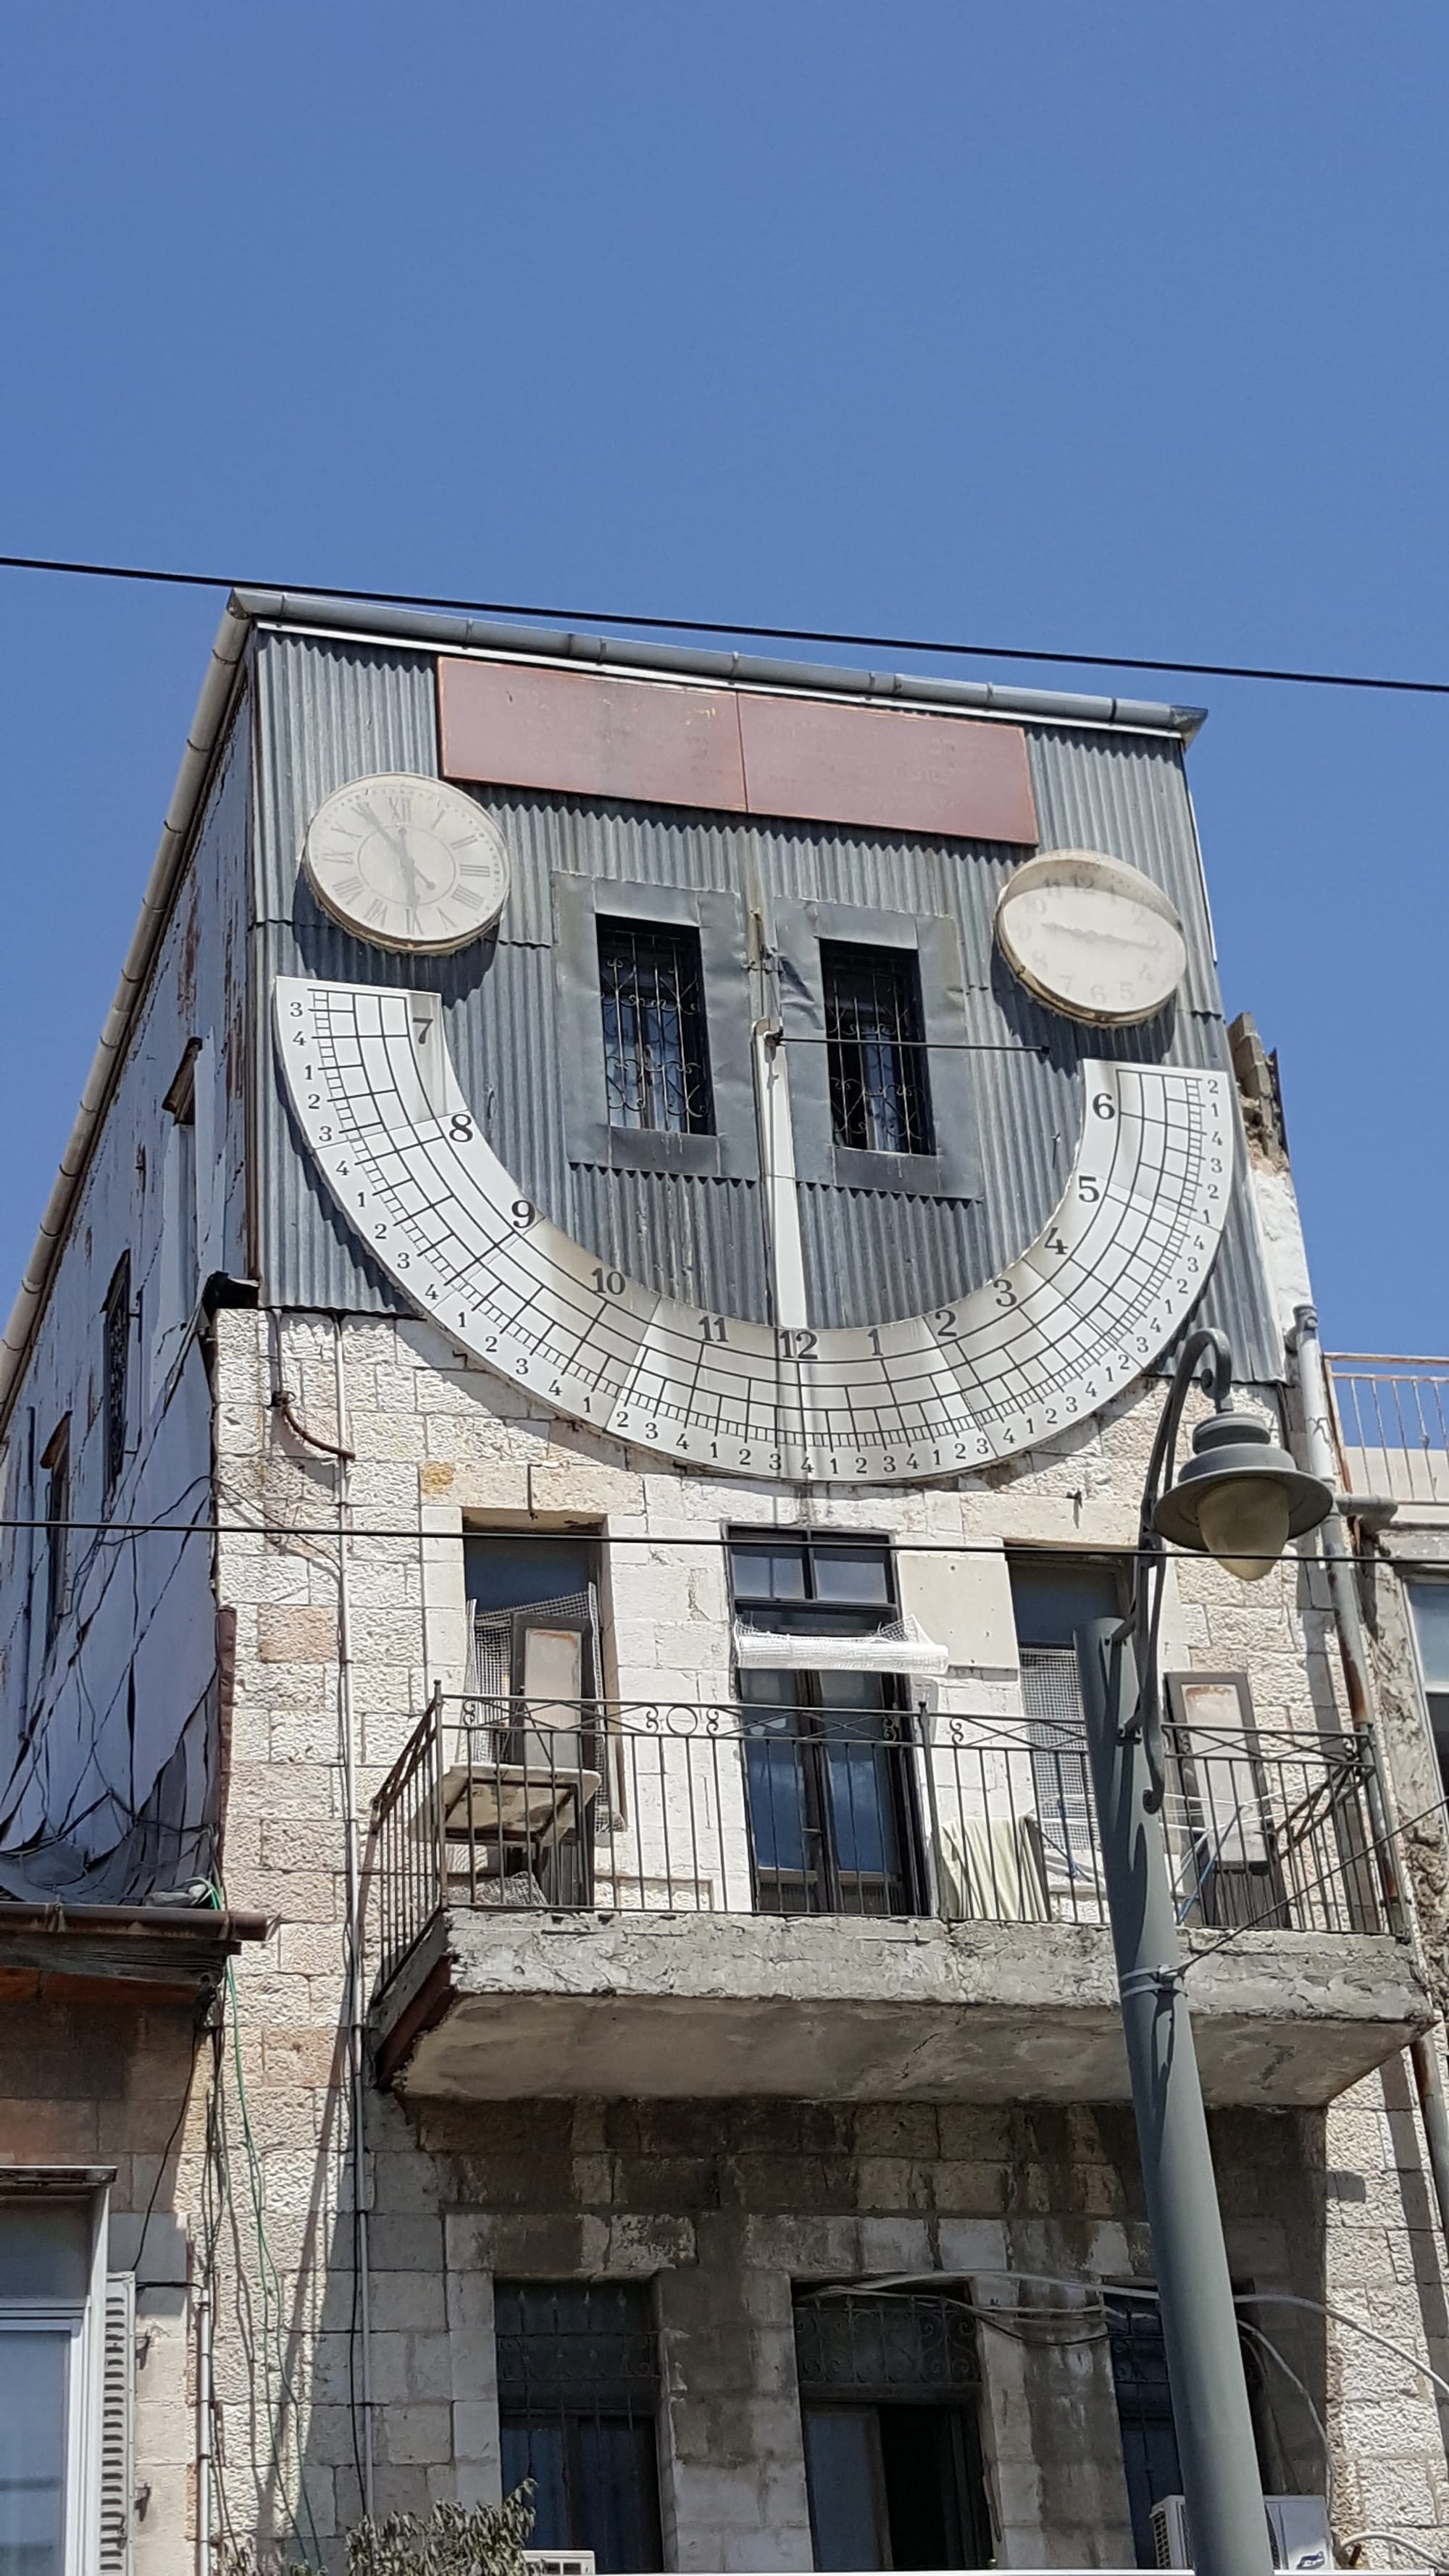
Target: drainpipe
1319, 1459
203, 2430
356, 1984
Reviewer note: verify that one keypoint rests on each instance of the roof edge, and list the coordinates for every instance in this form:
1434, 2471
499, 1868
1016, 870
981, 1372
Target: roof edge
698, 662
201, 742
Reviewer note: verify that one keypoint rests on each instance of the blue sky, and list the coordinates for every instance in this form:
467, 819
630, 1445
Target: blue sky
1117, 327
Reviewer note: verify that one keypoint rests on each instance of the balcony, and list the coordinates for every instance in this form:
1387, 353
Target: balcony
689, 1900
1391, 1422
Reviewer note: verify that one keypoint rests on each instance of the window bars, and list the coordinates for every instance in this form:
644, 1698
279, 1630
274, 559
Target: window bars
577, 2393
656, 1048
879, 1094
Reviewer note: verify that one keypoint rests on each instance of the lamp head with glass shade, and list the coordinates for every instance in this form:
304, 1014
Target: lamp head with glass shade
1240, 1498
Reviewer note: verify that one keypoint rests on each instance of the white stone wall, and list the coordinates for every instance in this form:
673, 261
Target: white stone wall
440, 1447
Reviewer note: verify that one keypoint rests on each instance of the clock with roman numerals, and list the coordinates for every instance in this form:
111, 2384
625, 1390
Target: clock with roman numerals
407, 863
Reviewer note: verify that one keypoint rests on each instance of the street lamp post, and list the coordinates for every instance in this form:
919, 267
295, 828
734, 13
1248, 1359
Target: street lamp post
1239, 1499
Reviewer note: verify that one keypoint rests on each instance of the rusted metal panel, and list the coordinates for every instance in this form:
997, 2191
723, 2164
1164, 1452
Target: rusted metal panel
733, 751
886, 769
507, 724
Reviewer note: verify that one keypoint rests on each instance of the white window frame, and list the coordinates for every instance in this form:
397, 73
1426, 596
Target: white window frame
85, 2321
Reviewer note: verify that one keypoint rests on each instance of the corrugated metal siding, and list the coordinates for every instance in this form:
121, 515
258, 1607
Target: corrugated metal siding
329, 711
698, 1239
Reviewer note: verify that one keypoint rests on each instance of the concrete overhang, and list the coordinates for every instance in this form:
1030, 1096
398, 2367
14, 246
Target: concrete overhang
495, 2006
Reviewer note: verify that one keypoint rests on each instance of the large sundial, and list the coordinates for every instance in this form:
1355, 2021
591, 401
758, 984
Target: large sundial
1079, 1313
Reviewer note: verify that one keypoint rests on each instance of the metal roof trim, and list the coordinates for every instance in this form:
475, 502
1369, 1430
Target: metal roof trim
362, 621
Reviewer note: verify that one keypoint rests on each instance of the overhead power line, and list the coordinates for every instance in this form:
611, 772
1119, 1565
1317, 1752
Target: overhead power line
746, 1534
734, 626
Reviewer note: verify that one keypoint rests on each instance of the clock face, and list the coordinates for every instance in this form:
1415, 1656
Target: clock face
1081, 1312
407, 862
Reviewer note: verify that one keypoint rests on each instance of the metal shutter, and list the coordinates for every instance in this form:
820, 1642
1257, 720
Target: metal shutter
117, 2475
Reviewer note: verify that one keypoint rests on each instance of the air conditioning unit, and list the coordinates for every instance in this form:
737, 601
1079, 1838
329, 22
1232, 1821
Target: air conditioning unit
1170, 2544
1297, 2530
560, 2562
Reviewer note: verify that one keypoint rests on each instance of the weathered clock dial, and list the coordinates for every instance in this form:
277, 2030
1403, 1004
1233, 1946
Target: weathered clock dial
1080, 1312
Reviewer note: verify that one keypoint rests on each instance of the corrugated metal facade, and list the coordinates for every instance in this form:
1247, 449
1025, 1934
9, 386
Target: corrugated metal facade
328, 711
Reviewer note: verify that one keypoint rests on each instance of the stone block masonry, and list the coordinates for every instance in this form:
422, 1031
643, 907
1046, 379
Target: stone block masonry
724, 2209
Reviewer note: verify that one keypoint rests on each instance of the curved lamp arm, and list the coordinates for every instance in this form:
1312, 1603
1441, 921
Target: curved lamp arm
1206, 1356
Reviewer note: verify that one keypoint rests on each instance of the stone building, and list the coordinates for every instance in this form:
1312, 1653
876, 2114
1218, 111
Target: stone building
599, 1334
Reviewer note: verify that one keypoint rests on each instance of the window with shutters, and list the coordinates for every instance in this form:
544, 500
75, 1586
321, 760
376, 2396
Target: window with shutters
118, 2481
65, 2477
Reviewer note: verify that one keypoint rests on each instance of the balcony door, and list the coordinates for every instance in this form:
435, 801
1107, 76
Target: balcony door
828, 1750
888, 2403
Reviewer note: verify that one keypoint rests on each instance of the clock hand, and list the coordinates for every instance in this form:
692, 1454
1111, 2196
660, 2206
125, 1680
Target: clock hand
397, 843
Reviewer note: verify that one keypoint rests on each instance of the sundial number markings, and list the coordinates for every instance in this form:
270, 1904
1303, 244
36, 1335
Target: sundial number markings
1119, 1264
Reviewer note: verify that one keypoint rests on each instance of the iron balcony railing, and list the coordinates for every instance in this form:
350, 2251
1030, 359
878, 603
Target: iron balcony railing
1391, 1421
683, 1809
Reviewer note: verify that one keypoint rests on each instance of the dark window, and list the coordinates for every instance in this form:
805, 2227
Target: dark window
531, 1712
1052, 1596
656, 1050
577, 2393
1144, 2412
875, 1035
888, 2399
829, 1762
826, 1586
56, 1462
116, 1369
1429, 1605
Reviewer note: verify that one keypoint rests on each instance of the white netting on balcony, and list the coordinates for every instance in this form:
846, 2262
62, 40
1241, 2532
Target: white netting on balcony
902, 1647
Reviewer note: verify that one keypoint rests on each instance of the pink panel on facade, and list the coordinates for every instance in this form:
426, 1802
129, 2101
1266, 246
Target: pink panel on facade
587, 734
578, 732
882, 767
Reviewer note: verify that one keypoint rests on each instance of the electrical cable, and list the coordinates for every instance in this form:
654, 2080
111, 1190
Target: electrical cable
727, 626
917, 2281
747, 1534
1391, 2540
1256, 2335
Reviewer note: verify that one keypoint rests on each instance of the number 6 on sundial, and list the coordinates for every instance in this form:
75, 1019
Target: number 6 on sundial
1081, 1311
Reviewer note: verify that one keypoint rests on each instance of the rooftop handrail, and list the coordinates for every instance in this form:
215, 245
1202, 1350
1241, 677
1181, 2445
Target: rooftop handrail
1391, 1424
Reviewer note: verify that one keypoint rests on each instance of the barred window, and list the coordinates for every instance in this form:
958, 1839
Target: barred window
1144, 2413
577, 2395
875, 1036
116, 1370
656, 1048
888, 2396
